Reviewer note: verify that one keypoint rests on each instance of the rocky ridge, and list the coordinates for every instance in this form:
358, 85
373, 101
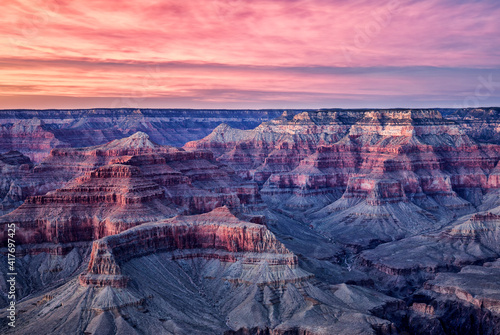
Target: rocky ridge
121, 184
358, 167
235, 276
36, 132
421, 186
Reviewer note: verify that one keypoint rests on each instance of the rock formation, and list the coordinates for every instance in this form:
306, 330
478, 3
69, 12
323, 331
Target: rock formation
29, 137
349, 168
13, 167
35, 132
481, 124
275, 146
210, 274
137, 181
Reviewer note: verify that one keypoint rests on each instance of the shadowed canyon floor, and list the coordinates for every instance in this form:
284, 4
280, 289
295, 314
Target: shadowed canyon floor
314, 222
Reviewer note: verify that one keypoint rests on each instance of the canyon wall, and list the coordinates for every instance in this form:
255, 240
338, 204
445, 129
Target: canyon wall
36, 132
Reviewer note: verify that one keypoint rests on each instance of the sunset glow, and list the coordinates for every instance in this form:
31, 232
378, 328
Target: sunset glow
249, 54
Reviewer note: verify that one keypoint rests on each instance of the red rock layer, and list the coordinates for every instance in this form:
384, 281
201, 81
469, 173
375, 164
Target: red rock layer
29, 137
218, 234
426, 154
195, 182
376, 191
277, 145
167, 166
103, 202
72, 162
62, 165
142, 182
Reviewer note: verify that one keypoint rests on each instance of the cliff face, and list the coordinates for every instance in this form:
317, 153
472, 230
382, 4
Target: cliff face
105, 201
481, 124
425, 154
36, 132
121, 184
465, 302
218, 235
345, 169
28, 137
62, 165
211, 273
449, 277
13, 167
275, 146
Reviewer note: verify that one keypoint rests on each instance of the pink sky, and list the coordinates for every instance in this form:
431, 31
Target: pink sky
249, 54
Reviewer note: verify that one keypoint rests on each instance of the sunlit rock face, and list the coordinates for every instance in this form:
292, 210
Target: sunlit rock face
278, 145
211, 273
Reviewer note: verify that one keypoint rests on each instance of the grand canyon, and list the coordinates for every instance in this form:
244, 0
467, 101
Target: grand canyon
251, 222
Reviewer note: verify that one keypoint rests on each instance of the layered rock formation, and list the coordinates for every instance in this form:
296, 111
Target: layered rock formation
482, 124
275, 146
13, 167
448, 277
29, 137
362, 172
473, 239
137, 181
36, 132
466, 302
360, 205
418, 148
206, 274
103, 202
215, 235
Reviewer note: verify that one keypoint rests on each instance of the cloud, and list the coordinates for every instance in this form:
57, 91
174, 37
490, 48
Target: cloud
300, 49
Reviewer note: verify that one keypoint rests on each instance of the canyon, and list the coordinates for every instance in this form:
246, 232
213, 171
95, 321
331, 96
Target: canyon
35, 132
253, 222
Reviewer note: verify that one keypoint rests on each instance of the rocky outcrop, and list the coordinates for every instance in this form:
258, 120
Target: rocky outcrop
137, 181
460, 303
472, 240
192, 179
140, 237
391, 170
418, 148
473, 284
315, 153
278, 145
103, 202
233, 275
481, 124
64, 164
73, 162
36, 132
13, 167
28, 136
218, 234
372, 211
